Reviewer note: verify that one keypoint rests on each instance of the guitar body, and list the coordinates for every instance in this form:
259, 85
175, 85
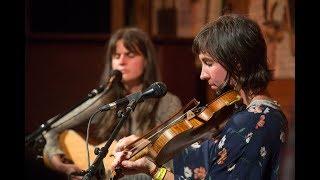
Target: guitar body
74, 146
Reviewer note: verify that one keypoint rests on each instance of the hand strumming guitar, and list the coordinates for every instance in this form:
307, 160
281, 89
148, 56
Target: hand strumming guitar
64, 165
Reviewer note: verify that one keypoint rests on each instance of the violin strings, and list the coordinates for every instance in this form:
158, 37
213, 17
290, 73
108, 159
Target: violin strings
163, 128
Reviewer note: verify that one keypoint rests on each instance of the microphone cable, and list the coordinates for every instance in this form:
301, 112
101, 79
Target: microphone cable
87, 147
87, 135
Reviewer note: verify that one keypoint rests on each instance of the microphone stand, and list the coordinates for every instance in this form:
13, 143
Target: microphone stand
36, 137
101, 153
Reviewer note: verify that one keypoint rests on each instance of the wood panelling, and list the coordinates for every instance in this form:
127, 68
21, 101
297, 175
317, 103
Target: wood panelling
117, 14
142, 14
233, 6
283, 90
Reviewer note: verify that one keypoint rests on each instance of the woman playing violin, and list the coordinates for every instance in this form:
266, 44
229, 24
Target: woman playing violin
233, 54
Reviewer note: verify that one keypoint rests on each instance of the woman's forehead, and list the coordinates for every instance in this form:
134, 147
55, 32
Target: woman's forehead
205, 55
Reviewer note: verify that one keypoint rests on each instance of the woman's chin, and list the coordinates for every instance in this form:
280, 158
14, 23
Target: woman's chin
214, 88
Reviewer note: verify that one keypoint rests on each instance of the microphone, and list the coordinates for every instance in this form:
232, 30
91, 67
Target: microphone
155, 90
115, 77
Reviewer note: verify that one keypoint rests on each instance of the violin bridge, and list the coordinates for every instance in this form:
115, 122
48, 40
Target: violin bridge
190, 114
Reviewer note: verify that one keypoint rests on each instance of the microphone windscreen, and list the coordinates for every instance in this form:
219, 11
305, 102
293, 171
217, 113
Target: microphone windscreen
117, 75
160, 89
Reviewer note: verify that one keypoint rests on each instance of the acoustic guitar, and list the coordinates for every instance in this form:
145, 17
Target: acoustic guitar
74, 146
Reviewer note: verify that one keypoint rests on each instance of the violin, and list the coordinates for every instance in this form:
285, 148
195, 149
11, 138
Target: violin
175, 134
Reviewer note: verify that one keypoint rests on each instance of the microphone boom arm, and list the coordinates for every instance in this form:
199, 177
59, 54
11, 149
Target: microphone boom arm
37, 135
34, 136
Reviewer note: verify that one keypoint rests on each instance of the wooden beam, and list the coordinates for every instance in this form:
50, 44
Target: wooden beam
117, 14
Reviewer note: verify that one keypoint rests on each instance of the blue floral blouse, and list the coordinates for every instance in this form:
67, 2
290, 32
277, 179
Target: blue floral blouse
249, 147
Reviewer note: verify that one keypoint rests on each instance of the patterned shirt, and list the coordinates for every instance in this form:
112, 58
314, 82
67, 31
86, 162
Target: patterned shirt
248, 147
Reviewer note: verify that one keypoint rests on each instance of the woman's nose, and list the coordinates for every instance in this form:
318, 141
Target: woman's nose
122, 59
203, 75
